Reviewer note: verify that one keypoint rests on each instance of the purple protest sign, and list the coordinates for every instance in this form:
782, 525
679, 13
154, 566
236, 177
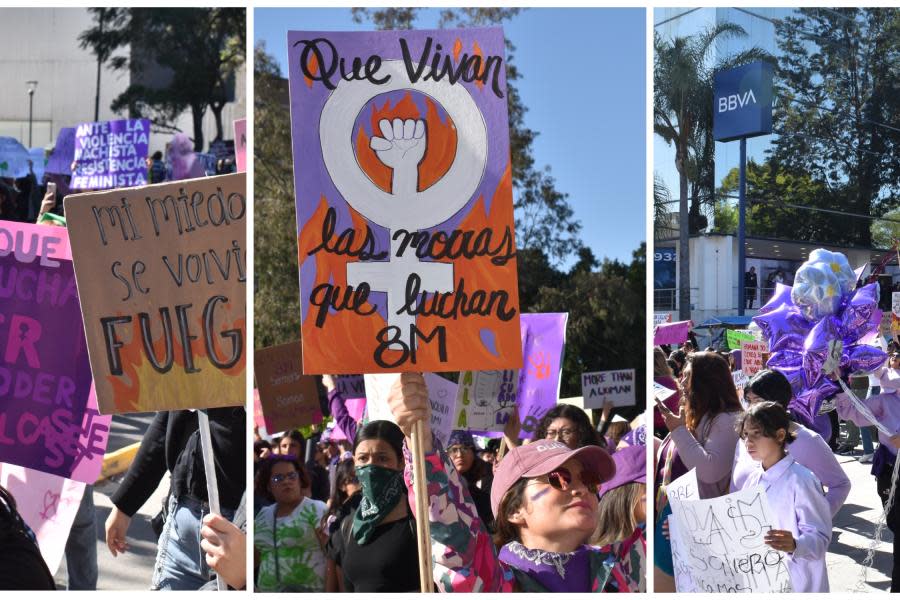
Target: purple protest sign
63, 154
45, 376
543, 345
403, 186
111, 154
671, 333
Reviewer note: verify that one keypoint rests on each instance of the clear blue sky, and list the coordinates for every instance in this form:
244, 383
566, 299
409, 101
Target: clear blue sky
582, 77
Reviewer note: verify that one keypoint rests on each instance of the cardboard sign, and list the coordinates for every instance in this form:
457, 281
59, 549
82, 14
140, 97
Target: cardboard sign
543, 345
615, 386
404, 201
661, 318
45, 375
485, 399
753, 357
111, 154
161, 273
240, 145
718, 545
63, 153
14, 158
734, 337
289, 398
48, 504
441, 394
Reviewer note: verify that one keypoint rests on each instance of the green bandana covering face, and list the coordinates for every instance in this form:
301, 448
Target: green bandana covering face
382, 489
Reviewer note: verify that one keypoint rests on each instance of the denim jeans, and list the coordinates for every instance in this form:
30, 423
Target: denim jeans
81, 547
180, 562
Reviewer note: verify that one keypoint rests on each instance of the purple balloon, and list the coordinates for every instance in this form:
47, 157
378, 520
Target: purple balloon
822, 426
784, 328
864, 358
818, 347
785, 359
781, 296
856, 319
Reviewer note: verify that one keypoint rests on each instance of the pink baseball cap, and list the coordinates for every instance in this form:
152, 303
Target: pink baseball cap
541, 457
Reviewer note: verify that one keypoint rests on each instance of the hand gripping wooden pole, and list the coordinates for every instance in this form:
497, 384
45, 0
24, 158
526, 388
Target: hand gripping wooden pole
420, 487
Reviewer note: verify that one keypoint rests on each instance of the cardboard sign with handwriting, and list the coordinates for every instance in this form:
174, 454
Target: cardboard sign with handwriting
289, 398
161, 274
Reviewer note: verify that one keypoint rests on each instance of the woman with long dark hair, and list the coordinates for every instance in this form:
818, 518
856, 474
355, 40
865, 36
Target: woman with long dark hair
804, 445
570, 425
703, 436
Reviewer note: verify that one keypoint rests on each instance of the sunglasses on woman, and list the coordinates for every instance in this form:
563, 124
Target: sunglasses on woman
285, 477
562, 479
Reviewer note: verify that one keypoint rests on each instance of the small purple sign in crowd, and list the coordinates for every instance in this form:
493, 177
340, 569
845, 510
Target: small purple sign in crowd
45, 375
111, 154
543, 346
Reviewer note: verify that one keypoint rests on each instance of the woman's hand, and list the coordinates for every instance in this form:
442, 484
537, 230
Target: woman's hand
408, 401
116, 527
780, 539
665, 529
328, 382
225, 546
512, 428
672, 420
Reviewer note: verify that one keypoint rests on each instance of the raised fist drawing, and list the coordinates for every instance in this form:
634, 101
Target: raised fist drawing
401, 148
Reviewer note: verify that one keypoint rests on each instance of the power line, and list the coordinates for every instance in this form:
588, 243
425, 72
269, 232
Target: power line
846, 114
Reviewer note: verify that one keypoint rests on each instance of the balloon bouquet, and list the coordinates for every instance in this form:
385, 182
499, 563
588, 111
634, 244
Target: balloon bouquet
816, 328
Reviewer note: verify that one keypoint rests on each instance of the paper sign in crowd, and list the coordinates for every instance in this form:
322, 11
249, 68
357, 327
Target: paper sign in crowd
63, 153
441, 395
753, 357
111, 154
289, 398
543, 344
48, 504
162, 272
613, 386
240, 145
734, 337
48, 417
404, 201
485, 399
717, 544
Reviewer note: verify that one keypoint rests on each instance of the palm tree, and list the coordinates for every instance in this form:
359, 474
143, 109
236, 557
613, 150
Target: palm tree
683, 72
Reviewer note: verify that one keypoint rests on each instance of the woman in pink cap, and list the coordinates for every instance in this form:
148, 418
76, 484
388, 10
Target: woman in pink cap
544, 499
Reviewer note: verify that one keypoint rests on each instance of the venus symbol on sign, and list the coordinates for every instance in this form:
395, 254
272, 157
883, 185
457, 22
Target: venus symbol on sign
401, 147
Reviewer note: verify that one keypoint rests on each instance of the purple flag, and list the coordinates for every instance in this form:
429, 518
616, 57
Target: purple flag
543, 345
63, 154
111, 154
671, 333
45, 377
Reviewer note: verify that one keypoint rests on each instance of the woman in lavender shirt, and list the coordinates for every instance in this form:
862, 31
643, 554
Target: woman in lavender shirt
807, 448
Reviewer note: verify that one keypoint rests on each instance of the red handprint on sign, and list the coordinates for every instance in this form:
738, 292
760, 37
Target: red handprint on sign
542, 367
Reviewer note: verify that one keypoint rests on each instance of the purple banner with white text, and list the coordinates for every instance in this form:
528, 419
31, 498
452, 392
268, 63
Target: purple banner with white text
111, 154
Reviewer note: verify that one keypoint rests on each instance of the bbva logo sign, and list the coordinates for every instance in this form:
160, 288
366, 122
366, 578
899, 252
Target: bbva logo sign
736, 101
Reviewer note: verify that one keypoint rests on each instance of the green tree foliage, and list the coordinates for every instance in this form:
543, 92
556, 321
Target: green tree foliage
838, 114
276, 298
200, 48
683, 73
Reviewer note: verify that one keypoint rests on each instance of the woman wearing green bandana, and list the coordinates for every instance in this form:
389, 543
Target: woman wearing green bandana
289, 552
375, 547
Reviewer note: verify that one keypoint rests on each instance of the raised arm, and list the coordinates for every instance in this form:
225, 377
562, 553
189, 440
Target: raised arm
713, 459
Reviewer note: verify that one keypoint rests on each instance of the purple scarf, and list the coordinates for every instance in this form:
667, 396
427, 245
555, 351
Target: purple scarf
555, 571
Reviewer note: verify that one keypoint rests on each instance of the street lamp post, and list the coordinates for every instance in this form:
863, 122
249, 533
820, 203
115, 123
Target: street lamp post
32, 86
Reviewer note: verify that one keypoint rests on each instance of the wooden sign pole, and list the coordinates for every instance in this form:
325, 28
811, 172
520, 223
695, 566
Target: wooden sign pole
209, 468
